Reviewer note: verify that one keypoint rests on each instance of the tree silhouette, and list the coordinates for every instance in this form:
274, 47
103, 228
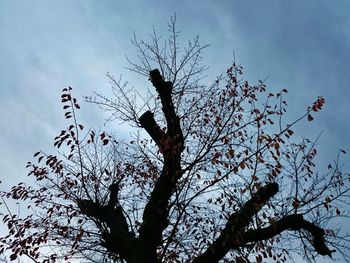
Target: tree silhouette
212, 173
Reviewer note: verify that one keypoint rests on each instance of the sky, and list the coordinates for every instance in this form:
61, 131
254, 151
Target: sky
303, 46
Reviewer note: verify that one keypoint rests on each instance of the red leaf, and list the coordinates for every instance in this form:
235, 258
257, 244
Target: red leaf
242, 165
295, 203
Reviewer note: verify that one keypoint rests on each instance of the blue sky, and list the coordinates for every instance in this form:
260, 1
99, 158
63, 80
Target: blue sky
303, 46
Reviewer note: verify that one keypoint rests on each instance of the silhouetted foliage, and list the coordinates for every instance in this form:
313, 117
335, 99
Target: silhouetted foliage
214, 174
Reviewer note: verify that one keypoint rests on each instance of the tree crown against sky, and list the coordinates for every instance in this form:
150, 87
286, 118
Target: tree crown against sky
214, 174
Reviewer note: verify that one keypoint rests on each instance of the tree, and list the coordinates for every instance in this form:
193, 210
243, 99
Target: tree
211, 174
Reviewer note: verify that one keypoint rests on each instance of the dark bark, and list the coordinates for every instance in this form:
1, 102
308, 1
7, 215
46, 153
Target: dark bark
155, 216
234, 241
164, 89
118, 239
149, 124
294, 222
235, 228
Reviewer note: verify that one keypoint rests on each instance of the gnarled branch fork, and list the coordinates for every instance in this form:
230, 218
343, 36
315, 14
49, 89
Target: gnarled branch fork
116, 237
170, 143
235, 234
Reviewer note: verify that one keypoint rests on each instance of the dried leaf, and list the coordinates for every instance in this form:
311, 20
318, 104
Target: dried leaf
338, 211
309, 117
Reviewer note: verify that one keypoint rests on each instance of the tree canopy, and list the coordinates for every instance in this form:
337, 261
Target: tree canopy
212, 173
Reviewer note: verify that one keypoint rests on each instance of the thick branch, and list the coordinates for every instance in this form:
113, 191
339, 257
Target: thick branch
118, 239
235, 228
164, 89
149, 124
292, 222
155, 216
